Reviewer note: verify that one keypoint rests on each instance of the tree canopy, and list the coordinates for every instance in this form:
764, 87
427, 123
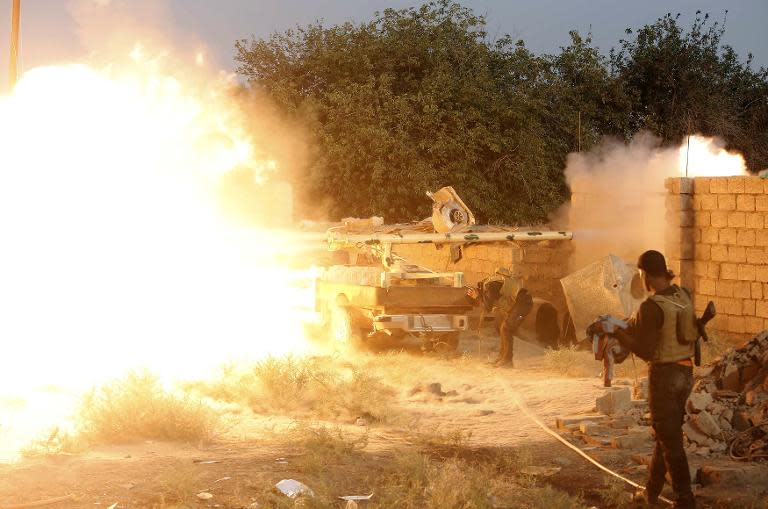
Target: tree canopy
420, 98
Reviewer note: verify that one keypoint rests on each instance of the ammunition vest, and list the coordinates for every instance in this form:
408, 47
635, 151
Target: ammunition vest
678, 334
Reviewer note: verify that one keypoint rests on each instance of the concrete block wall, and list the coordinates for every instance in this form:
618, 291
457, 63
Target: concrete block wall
717, 241
541, 264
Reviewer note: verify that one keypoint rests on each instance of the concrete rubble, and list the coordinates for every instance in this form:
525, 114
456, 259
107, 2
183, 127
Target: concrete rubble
728, 408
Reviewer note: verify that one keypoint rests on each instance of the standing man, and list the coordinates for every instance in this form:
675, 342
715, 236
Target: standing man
664, 333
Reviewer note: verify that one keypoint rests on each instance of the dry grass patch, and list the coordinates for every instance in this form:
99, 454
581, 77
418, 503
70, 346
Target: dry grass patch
138, 407
318, 387
573, 362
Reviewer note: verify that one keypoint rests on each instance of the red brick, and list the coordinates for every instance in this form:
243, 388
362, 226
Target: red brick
718, 218
745, 237
753, 185
736, 185
726, 202
729, 271
746, 272
737, 220
742, 289
719, 253
755, 220
757, 255
737, 254
724, 288
745, 202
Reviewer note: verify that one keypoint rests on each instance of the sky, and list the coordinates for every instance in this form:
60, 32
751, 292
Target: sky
55, 31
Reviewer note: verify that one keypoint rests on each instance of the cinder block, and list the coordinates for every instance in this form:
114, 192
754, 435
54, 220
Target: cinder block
678, 202
718, 219
745, 238
755, 220
761, 202
761, 274
736, 324
702, 218
726, 202
746, 272
748, 307
707, 286
702, 252
718, 185
709, 235
700, 268
756, 289
708, 201
728, 236
682, 218
742, 289
745, 202
757, 255
730, 306
737, 254
713, 270
761, 308
724, 288
753, 324
737, 220
761, 237
729, 271
701, 185
753, 185
719, 253
736, 185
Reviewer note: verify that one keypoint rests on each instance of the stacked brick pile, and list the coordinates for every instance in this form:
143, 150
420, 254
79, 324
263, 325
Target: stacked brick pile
541, 264
717, 240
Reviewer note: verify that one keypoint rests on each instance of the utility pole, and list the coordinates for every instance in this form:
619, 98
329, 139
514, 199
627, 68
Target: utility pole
12, 71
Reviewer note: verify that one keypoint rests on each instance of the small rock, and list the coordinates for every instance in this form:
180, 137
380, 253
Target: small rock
204, 495
631, 441
693, 434
731, 475
435, 388
698, 401
730, 379
614, 401
705, 423
716, 409
361, 421
483, 413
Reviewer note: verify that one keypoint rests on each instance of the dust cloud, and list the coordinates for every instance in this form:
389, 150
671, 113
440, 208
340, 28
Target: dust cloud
618, 194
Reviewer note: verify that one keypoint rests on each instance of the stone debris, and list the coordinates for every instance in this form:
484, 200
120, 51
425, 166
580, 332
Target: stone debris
614, 401
729, 403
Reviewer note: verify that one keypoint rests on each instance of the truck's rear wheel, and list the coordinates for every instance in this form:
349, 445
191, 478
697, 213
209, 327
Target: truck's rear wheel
342, 330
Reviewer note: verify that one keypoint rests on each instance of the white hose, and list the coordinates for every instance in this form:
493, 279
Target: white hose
523, 408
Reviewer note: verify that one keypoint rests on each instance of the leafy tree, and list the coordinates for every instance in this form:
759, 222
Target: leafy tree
420, 98
690, 82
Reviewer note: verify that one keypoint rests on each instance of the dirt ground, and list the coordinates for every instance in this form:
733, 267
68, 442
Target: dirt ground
476, 402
